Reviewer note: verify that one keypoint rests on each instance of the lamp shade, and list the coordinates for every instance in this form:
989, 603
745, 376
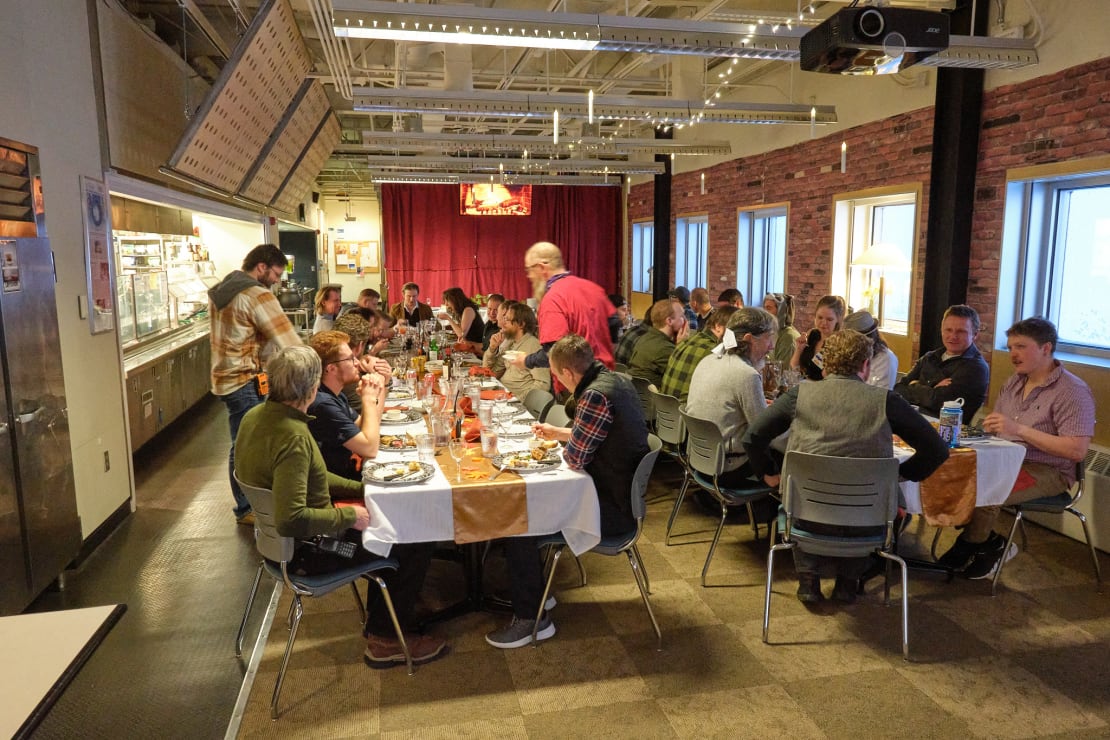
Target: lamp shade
882, 255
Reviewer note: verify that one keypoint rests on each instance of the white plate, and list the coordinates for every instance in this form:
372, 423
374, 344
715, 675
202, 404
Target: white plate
398, 473
404, 417
398, 394
515, 430
529, 465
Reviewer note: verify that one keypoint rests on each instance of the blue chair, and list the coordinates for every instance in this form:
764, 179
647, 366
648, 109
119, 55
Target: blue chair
276, 552
1057, 504
617, 544
840, 492
705, 453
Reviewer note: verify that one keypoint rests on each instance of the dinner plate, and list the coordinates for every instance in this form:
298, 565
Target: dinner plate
397, 442
398, 394
524, 463
409, 416
516, 430
397, 473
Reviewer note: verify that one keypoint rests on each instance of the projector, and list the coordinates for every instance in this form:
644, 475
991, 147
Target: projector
873, 41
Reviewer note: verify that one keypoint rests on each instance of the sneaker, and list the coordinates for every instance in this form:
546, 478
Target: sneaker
550, 604
959, 555
809, 590
518, 633
247, 520
845, 590
986, 564
386, 652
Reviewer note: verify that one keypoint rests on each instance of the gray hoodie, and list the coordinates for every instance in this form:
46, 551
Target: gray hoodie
235, 283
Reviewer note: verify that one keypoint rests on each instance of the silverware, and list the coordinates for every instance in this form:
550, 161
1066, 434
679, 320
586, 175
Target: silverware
500, 470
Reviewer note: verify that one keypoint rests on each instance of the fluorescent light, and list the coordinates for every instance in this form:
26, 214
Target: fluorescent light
509, 165
463, 36
380, 141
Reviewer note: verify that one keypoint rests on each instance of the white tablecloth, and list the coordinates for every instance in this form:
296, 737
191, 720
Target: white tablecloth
564, 501
997, 464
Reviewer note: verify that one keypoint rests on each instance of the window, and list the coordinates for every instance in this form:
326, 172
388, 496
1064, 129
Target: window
761, 253
1056, 259
691, 251
873, 251
643, 246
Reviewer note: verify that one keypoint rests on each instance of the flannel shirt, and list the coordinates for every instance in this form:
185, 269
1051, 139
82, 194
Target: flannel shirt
686, 356
252, 326
623, 351
593, 416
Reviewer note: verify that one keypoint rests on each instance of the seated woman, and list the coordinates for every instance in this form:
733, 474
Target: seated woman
463, 317
884, 363
275, 450
327, 305
807, 350
727, 387
781, 306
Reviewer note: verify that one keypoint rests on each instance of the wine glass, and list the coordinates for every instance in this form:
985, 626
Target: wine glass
457, 448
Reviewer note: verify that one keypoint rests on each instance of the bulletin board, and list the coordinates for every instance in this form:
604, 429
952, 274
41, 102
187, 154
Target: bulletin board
356, 257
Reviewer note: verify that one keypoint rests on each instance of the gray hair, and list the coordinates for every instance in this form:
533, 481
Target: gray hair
294, 374
750, 320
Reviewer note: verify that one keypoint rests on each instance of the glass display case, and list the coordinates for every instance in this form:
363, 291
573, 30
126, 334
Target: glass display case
152, 308
125, 296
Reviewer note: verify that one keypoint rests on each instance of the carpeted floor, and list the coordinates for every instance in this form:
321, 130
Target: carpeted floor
1034, 661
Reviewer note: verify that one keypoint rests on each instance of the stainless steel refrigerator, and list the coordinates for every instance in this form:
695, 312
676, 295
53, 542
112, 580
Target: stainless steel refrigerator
40, 532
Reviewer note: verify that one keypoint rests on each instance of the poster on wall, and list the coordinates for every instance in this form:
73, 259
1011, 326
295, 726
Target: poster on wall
495, 199
356, 257
98, 255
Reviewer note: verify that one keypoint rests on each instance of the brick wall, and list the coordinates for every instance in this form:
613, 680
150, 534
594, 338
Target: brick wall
1054, 118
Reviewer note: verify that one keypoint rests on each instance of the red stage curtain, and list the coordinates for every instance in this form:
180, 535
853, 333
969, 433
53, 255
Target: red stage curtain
428, 242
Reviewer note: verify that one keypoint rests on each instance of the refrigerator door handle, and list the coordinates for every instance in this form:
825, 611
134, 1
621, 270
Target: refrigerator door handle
3, 428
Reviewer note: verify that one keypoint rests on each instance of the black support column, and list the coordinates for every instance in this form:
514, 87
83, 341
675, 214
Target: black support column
661, 255
959, 104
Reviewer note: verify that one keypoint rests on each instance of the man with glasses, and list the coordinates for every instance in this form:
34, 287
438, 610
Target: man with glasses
341, 433
247, 323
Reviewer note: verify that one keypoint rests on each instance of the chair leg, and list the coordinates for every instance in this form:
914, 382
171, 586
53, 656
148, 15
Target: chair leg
751, 519
639, 572
1090, 546
289, 616
581, 571
558, 551
358, 600
297, 611
713, 544
247, 613
1002, 560
393, 618
643, 571
677, 505
891, 557
936, 541
770, 577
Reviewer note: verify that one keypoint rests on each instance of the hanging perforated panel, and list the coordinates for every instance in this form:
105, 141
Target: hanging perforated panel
247, 103
304, 174
288, 143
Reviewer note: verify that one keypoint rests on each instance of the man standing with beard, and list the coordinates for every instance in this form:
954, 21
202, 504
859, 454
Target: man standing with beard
567, 305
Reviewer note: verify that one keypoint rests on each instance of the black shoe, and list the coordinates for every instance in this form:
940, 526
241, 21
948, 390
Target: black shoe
959, 555
809, 590
989, 559
876, 568
845, 590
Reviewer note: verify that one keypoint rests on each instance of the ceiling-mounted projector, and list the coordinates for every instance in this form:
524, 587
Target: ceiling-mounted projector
873, 41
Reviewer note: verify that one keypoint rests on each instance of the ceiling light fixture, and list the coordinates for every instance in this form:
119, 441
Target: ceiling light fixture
378, 177
509, 165
380, 141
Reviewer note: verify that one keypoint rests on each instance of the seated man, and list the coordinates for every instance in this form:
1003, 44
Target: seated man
518, 334
682, 294
369, 298
345, 437
688, 353
956, 370
654, 349
1048, 411
492, 326
622, 353
731, 297
410, 309
608, 440
359, 330
275, 450
701, 305
841, 416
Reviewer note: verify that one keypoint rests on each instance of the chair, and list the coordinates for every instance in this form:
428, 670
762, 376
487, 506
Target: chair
557, 416
538, 402
644, 388
671, 429
1057, 504
615, 545
842, 492
276, 551
705, 454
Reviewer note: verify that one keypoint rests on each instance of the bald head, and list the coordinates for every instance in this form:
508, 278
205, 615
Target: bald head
545, 253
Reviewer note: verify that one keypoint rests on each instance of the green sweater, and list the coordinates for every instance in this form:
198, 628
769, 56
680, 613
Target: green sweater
275, 450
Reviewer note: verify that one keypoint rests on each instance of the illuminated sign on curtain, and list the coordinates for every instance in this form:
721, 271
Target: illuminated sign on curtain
494, 199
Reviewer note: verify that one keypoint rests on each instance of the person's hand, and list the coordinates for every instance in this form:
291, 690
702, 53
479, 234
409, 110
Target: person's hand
378, 346
543, 431
371, 385
362, 517
800, 343
496, 340
443, 315
683, 332
772, 480
1001, 425
943, 383
516, 361
381, 367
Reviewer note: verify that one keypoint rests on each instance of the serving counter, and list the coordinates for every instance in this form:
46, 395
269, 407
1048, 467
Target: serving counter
165, 377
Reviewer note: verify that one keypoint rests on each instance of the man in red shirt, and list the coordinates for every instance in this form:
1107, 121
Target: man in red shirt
567, 305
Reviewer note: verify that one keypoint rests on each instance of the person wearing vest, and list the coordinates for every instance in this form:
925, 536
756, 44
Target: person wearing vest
841, 416
607, 440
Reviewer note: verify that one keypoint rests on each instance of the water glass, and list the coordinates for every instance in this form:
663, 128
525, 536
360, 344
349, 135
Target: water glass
474, 390
489, 441
442, 426
426, 448
485, 413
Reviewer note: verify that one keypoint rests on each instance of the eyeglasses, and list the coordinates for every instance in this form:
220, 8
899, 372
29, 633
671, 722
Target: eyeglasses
352, 359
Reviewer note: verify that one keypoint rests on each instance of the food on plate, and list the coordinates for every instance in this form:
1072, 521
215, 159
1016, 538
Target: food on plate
539, 453
414, 466
397, 441
549, 444
534, 459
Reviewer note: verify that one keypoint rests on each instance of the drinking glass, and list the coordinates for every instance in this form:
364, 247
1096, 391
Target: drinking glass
442, 425
485, 413
489, 441
457, 448
504, 414
426, 447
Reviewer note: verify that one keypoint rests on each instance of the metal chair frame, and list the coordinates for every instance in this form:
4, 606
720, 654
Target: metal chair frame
276, 552
840, 491
705, 454
670, 428
615, 545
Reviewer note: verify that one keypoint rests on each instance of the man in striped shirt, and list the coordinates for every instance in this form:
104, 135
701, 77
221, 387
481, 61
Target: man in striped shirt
247, 326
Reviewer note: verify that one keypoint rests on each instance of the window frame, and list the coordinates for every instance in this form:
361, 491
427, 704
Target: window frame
681, 233
746, 218
640, 225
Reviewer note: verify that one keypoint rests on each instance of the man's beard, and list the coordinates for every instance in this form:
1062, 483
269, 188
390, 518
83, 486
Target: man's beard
539, 287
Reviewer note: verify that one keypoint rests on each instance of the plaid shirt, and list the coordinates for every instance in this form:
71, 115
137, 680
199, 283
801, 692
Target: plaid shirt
253, 325
623, 351
593, 416
686, 356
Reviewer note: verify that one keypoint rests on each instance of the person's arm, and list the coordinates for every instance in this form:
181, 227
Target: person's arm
292, 516
271, 321
371, 389
1067, 447
969, 380
550, 431
492, 358
541, 378
592, 419
340, 487
930, 451
799, 346
769, 424
536, 359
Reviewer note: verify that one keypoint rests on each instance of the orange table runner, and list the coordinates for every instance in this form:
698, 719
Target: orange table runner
948, 495
483, 511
